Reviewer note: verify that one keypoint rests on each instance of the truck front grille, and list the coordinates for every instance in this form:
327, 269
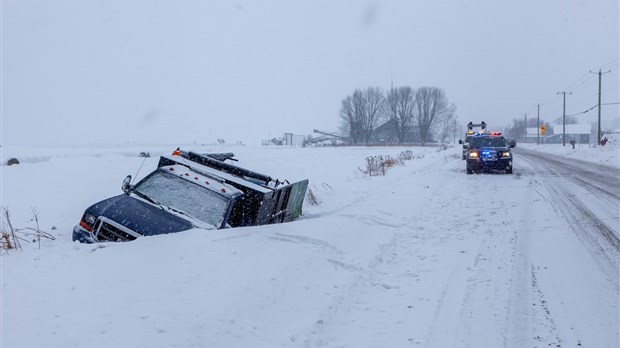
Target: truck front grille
106, 230
489, 155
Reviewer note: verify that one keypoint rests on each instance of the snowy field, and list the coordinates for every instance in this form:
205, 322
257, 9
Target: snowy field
425, 256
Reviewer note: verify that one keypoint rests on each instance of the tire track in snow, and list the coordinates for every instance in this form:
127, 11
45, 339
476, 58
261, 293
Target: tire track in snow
435, 281
540, 302
451, 280
571, 259
600, 238
320, 244
604, 178
494, 308
351, 297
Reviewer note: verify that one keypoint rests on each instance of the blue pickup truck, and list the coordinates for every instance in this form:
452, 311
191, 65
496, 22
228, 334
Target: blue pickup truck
191, 190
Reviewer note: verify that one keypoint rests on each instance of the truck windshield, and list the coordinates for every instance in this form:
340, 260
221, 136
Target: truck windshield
488, 142
184, 197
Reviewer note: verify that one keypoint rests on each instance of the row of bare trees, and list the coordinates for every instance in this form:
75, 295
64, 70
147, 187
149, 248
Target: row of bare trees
426, 109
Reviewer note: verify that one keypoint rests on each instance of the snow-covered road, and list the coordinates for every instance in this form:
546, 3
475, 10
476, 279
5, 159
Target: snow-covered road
486, 261
588, 196
425, 256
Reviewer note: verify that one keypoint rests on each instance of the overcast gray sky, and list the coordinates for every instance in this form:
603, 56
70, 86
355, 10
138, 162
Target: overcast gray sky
85, 71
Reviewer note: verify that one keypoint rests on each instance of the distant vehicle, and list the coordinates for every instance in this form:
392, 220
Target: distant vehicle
470, 134
465, 144
512, 143
190, 190
489, 152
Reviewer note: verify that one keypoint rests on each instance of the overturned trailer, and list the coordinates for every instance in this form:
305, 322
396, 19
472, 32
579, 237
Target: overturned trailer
191, 190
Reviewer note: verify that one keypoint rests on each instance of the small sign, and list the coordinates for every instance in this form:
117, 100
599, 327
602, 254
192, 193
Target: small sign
543, 130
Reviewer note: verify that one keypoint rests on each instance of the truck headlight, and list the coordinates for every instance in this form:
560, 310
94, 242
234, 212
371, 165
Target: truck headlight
506, 154
473, 154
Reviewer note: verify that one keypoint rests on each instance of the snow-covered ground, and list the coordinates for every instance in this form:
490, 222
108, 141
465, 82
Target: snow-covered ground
608, 155
423, 256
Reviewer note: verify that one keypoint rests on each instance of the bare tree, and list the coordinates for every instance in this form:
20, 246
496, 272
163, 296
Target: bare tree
373, 101
431, 107
398, 109
448, 124
360, 113
351, 115
516, 129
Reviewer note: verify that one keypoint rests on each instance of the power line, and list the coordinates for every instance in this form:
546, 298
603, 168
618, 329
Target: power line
584, 84
612, 66
588, 79
587, 97
579, 80
583, 112
577, 114
556, 120
606, 65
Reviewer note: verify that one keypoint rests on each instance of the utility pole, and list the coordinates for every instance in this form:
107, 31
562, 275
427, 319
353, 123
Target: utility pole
538, 126
564, 117
598, 139
525, 140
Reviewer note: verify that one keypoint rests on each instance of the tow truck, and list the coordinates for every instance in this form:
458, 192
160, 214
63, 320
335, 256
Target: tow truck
191, 190
489, 151
469, 134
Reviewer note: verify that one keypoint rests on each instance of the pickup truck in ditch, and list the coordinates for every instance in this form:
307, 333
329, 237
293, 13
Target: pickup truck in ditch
191, 190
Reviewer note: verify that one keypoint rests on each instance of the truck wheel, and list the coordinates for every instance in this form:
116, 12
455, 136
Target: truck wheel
469, 170
509, 170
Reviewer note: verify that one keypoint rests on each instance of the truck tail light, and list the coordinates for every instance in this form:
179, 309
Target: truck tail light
87, 222
86, 226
